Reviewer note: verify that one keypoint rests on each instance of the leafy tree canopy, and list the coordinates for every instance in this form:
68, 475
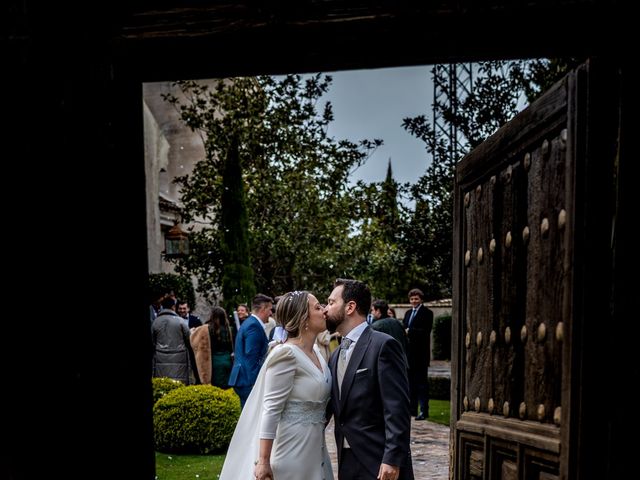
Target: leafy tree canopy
299, 200
306, 223
181, 286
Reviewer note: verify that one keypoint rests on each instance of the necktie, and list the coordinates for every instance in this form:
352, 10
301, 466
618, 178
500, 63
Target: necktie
342, 360
413, 314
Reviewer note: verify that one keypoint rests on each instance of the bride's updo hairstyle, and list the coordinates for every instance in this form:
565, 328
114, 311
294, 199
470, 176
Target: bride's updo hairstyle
292, 312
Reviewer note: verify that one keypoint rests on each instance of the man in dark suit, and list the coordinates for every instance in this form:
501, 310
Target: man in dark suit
184, 311
370, 391
382, 322
251, 348
192, 321
418, 323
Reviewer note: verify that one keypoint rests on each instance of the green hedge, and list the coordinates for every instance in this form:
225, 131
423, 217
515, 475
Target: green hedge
196, 419
440, 388
442, 337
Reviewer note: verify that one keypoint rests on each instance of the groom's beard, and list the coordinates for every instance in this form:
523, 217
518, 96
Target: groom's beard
334, 321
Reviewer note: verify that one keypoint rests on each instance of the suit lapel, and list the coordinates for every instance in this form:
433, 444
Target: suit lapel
356, 357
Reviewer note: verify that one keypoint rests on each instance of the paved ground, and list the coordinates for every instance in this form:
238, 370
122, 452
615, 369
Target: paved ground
429, 441
440, 368
429, 448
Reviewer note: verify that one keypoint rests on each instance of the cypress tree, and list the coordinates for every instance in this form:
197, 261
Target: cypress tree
388, 207
238, 284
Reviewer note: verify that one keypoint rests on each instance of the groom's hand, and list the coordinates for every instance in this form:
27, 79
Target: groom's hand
388, 472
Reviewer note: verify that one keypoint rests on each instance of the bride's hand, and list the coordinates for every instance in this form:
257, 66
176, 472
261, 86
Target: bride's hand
262, 471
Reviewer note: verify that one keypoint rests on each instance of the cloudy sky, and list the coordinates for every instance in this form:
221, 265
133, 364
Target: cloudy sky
371, 104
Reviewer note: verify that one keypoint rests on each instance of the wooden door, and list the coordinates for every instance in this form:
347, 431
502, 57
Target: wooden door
518, 356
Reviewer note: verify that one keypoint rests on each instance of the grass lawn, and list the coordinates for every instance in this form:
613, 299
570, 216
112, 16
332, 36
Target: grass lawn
440, 411
207, 467
188, 467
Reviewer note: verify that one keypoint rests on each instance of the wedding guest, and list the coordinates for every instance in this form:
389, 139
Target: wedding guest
383, 322
418, 323
191, 321
251, 348
170, 338
212, 344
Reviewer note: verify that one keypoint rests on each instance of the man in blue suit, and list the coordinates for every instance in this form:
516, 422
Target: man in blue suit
251, 347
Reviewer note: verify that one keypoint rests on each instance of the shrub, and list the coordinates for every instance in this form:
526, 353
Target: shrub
163, 385
440, 388
442, 337
196, 419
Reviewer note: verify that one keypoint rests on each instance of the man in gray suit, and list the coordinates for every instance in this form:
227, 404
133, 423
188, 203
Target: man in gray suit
370, 391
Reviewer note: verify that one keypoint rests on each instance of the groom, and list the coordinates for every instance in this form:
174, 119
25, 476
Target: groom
370, 391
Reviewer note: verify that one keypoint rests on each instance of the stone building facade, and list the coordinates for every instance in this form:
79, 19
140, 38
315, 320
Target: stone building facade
171, 149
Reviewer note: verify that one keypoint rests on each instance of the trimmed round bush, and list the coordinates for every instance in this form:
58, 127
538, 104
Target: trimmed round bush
195, 419
163, 385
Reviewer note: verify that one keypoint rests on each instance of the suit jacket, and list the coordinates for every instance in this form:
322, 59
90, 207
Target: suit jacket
393, 327
194, 321
419, 336
250, 350
373, 410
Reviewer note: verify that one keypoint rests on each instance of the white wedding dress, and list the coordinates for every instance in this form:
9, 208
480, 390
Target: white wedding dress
288, 404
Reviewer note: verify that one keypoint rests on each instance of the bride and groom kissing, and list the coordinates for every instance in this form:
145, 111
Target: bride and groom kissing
281, 432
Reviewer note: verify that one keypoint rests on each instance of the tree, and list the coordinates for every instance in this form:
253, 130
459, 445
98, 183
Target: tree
161, 283
376, 250
237, 275
299, 202
387, 212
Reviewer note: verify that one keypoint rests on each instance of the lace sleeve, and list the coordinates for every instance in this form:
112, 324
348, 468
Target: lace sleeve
277, 387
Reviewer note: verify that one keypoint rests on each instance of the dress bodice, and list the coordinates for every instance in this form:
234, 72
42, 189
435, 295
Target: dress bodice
287, 405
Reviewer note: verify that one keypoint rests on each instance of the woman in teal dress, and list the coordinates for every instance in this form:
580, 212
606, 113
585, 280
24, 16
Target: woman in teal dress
212, 345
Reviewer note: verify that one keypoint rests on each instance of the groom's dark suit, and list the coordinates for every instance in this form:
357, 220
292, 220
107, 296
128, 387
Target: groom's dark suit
373, 410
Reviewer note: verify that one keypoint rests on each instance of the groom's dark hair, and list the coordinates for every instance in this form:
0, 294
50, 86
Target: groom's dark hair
355, 291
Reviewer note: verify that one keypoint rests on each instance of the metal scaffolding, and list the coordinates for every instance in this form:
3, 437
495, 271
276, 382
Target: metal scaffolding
452, 83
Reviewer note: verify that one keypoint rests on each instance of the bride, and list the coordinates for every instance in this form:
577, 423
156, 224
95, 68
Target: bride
280, 434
